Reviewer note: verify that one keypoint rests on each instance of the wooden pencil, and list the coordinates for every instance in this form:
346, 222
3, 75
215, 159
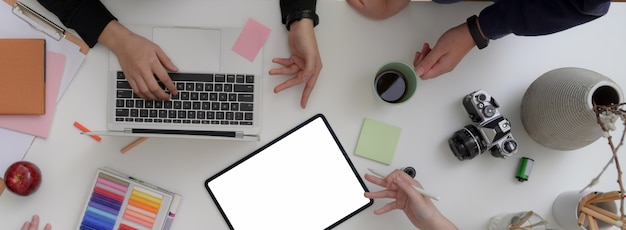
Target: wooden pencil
597, 215
603, 211
593, 224
133, 144
581, 218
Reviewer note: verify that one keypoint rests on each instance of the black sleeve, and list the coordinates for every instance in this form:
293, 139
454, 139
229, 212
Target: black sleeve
538, 17
87, 17
288, 6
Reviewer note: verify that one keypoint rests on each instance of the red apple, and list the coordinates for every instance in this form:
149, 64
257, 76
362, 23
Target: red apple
23, 178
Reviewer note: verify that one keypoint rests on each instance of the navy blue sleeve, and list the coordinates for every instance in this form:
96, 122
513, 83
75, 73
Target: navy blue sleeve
288, 6
538, 17
87, 17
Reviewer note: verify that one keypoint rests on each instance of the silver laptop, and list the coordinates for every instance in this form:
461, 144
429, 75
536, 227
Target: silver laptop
219, 91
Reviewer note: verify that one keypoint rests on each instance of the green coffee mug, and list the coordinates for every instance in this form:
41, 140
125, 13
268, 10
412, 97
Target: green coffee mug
395, 82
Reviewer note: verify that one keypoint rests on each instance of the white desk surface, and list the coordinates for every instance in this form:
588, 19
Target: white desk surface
352, 48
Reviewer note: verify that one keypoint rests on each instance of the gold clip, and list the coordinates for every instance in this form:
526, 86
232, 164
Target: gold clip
38, 21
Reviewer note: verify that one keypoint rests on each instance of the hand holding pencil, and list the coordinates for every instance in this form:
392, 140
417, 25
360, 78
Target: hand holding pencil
418, 207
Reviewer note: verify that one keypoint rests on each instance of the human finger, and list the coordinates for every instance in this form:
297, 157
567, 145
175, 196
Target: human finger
419, 56
296, 80
26, 226
164, 77
357, 4
388, 207
34, 223
287, 70
283, 61
375, 180
143, 90
48, 227
168, 64
381, 194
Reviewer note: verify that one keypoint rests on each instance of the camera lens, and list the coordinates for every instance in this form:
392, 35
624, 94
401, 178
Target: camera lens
466, 143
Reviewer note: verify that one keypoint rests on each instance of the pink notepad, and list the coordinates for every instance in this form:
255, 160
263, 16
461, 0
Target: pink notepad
251, 39
39, 125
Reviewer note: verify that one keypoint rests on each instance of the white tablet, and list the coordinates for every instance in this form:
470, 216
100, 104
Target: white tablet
301, 180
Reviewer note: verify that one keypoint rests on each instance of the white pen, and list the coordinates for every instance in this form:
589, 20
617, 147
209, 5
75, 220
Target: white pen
420, 190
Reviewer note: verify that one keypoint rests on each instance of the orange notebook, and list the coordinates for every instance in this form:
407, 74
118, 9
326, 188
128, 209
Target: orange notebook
22, 76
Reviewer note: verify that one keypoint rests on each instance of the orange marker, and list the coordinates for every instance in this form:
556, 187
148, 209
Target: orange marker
84, 129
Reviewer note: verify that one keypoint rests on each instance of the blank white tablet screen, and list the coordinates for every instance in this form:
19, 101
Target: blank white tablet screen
303, 181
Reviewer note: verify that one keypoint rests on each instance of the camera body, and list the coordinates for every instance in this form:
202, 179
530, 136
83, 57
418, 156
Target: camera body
489, 129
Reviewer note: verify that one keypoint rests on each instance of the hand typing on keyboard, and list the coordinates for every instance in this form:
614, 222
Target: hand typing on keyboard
141, 60
305, 61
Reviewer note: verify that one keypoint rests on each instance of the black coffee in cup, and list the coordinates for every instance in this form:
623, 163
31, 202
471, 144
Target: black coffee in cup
391, 85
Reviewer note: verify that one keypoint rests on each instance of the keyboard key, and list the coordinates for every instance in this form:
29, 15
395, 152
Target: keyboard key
149, 104
218, 87
143, 113
186, 121
234, 106
122, 112
130, 104
199, 86
194, 96
124, 94
219, 115
186, 105
206, 105
119, 103
230, 78
204, 96
215, 122
210, 115
220, 78
147, 120
245, 106
234, 122
225, 106
123, 85
247, 116
180, 86
244, 97
154, 113
245, 122
163, 113
243, 88
230, 116
134, 113
178, 104
215, 106
224, 122
182, 114
191, 114
167, 104
120, 75
249, 78
208, 86
189, 86
228, 87
184, 96
222, 97
138, 119
158, 104
213, 97
171, 114
177, 121
239, 78
232, 97
195, 122
239, 116
196, 105
200, 114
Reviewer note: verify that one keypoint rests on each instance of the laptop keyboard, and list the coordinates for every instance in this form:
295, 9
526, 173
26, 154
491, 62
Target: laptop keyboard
203, 99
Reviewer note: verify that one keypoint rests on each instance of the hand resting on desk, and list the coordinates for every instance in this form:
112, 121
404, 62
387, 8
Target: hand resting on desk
418, 208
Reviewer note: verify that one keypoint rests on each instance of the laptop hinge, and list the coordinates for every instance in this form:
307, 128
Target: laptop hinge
230, 134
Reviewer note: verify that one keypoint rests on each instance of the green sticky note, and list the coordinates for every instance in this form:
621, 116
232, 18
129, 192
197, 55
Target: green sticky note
377, 141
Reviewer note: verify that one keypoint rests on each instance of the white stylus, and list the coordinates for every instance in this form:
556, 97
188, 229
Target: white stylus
420, 190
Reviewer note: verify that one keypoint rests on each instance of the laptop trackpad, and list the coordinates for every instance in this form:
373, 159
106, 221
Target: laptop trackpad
190, 49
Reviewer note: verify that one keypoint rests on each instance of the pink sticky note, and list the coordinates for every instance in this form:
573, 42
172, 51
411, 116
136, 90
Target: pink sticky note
39, 125
251, 39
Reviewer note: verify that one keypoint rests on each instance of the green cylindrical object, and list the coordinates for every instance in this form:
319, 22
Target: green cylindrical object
525, 166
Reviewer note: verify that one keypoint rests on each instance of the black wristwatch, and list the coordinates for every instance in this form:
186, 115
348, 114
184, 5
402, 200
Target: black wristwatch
300, 14
472, 24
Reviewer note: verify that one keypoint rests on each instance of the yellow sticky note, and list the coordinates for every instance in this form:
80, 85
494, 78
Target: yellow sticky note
377, 141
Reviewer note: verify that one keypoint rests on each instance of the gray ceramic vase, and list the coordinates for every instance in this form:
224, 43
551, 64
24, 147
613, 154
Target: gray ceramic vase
557, 108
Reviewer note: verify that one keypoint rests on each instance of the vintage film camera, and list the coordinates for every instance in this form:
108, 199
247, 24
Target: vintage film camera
489, 129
